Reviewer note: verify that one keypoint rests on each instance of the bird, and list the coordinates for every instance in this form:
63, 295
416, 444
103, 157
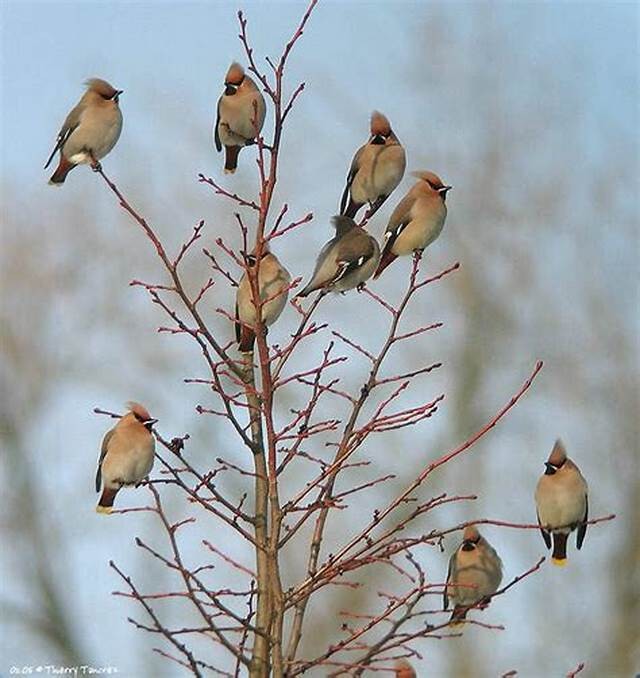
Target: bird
126, 457
376, 169
346, 261
417, 220
240, 115
475, 572
403, 669
273, 285
90, 131
562, 503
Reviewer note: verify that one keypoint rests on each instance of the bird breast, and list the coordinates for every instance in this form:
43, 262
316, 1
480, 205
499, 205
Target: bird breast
479, 576
381, 170
237, 116
561, 499
98, 132
426, 222
129, 458
273, 287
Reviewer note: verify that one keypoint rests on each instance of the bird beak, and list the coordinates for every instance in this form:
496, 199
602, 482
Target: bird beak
150, 422
119, 92
444, 189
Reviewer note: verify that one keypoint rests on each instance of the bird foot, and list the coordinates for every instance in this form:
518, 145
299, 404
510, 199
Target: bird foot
360, 287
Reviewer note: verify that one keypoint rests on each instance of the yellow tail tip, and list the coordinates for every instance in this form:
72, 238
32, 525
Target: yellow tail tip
560, 562
104, 509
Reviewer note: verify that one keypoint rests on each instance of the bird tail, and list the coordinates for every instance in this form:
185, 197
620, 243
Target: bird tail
458, 615
64, 167
352, 209
559, 555
105, 505
307, 290
246, 340
231, 159
387, 258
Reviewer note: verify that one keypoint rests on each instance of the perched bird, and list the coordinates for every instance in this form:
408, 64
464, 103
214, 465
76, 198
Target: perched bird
346, 261
273, 286
240, 117
475, 572
376, 169
90, 130
403, 669
417, 220
561, 503
127, 455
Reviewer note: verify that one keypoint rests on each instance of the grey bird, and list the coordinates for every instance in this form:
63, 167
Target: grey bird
475, 572
562, 503
127, 454
347, 261
240, 115
417, 220
377, 168
273, 285
90, 131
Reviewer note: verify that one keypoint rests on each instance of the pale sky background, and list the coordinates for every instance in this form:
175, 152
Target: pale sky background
569, 74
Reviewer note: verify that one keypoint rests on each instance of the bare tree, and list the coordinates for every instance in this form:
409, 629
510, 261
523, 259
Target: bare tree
258, 614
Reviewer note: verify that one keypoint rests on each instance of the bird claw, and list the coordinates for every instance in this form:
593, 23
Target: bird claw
360, 287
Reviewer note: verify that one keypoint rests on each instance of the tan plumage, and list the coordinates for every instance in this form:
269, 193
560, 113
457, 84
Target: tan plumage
273, 284
240, 115
417, 220
475, 572
562, 503
90, 131
346, 261
126, 457
376, 169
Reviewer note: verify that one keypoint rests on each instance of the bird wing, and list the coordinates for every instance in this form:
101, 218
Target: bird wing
582, 530
216, 134
353, 170
353, 250
238, 324
545, 534
445, 597
399, 219
69, 125
103, 452
324, 270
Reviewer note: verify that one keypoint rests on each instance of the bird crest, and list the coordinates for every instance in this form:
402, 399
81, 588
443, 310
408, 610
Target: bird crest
380, 124
140, 411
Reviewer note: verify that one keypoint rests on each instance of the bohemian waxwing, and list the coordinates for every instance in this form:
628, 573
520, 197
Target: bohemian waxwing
126, 457
90, 130
417, 220
377, 168
346, 261
561, 503
475, 572
240, 117
273, 285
